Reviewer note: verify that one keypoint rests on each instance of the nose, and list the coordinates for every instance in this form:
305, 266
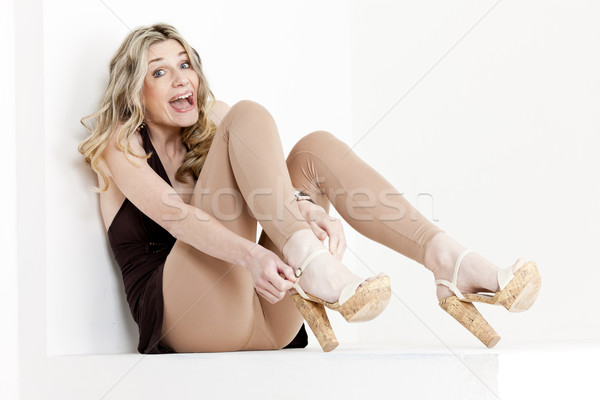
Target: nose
179, 79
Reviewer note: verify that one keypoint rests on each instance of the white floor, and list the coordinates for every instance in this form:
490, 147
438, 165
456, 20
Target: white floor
567, 370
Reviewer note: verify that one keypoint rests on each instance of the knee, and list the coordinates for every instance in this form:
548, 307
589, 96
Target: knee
248, 110
318, 141
247, 105
248, 119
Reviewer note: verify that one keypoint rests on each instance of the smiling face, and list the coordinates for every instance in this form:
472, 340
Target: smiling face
170, 91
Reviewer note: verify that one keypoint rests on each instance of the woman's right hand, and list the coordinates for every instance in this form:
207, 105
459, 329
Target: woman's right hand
266, 267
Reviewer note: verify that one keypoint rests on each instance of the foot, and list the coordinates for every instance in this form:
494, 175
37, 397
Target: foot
325, 276
476, 273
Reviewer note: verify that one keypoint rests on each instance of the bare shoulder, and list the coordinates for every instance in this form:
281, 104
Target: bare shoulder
134, 141
218, 111
112, 199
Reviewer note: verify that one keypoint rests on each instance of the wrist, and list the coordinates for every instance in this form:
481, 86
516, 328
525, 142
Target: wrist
309, 210
248, 252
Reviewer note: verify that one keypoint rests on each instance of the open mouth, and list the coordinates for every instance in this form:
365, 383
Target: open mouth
183, 102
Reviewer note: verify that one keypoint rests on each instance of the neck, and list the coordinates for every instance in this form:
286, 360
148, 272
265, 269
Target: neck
166, 138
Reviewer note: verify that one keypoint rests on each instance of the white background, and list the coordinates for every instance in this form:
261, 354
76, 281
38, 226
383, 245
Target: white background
494, 118
503, 133
8, 201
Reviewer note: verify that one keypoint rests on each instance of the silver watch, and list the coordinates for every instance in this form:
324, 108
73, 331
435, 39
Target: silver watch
302, 195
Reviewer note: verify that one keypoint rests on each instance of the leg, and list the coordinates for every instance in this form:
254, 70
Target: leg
257, 162
330, 171
366, 200
282, 318
211, 305
286, 322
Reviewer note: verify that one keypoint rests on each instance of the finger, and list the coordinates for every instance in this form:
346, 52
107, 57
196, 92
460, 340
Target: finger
273, 282
319, 233
339, 253
286, 270
341, 244
280, 284
333, 241
267, 295
276, 294
322, 235
262, 292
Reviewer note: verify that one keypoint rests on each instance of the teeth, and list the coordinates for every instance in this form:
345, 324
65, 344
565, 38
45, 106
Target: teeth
185, 96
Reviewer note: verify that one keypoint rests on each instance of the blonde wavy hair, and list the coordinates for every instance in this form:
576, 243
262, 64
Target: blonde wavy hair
122, 104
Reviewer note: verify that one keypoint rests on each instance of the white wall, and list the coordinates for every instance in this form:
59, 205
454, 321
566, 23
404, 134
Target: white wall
9, 362
31, 198
284, 55
502, 130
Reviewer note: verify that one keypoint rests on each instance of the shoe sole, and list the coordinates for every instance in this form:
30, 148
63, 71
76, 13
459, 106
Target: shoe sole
368, 302
522, 291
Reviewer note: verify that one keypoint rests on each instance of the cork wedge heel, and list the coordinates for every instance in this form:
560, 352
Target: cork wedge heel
316, 317
358, 302
519, 286
470, 318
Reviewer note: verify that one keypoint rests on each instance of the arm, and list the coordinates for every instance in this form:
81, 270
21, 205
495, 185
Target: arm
160, 202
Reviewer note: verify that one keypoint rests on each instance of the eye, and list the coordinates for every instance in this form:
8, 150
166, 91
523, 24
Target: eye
185, 65
158, 73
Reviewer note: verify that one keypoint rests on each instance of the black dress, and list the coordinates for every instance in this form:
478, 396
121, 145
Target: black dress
140, 247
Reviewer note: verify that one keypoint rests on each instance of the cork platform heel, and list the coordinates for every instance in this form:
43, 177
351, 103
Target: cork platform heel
316, 317
470, 318
519, 286
359, 301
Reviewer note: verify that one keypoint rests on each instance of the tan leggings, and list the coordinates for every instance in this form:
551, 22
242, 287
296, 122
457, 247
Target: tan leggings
211, 305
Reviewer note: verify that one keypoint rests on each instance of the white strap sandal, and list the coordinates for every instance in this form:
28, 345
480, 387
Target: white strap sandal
359, 301
519, 286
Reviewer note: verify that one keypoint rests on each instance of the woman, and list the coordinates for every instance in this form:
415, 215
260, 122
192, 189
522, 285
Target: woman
183, 181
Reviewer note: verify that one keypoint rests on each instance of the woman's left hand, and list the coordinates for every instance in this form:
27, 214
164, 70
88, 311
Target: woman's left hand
324, 225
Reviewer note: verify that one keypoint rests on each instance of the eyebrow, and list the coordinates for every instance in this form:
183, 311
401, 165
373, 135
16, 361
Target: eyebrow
160, 58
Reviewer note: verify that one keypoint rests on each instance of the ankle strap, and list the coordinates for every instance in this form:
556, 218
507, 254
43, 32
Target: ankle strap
298, 272
452, 285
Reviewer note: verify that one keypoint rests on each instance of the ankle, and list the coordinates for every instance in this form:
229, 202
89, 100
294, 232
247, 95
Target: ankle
476, 272
441, 254
299, 246
325, 276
